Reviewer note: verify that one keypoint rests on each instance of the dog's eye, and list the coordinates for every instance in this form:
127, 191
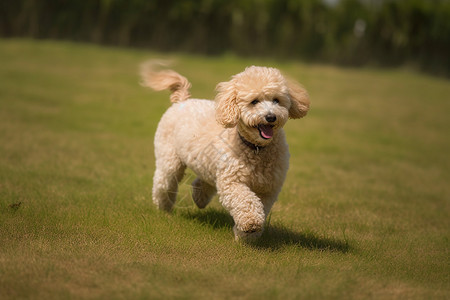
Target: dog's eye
276, 101
254, 102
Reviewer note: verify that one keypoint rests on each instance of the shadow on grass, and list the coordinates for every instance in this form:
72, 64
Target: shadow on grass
275, 236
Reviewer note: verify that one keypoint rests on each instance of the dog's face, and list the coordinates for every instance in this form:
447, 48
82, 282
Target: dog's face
259, 101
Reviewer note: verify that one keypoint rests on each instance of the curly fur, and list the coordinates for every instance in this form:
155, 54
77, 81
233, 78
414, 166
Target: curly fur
234, 147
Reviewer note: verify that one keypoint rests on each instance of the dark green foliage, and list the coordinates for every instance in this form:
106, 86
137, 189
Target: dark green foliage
352, 32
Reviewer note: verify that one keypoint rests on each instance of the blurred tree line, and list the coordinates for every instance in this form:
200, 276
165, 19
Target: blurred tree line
351, 32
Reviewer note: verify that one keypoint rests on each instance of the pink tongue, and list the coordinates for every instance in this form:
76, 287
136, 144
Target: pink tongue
266, 131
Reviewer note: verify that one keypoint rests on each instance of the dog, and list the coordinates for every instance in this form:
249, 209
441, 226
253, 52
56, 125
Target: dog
235, 145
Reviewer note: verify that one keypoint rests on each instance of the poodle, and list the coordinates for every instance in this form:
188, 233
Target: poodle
236, 144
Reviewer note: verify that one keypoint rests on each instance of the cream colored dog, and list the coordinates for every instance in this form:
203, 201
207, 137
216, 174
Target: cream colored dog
236, 146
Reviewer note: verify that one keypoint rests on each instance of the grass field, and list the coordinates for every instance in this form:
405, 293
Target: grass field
364, 212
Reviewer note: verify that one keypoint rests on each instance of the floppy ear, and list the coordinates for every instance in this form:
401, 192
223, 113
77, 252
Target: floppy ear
299, 100
227, 111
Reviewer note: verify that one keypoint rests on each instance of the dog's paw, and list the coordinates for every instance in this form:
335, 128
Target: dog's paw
249, 222
248, 229
246, 236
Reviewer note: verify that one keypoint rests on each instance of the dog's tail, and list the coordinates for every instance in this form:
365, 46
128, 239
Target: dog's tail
165, 79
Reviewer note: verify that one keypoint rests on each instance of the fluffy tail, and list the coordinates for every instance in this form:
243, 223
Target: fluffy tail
164, 80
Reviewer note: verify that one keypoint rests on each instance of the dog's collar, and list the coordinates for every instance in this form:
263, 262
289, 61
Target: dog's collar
252, 146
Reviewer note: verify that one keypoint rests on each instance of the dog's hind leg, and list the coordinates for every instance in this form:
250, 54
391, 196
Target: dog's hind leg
165, 182
202, 192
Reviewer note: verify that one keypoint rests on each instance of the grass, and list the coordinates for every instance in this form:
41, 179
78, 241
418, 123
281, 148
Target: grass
364, 212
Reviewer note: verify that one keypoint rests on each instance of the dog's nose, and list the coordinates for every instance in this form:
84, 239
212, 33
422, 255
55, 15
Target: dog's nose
271, 118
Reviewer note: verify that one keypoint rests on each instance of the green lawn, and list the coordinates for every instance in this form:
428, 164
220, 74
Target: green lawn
364, 212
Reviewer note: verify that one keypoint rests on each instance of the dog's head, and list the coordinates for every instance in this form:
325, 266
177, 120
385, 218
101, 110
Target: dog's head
259, 101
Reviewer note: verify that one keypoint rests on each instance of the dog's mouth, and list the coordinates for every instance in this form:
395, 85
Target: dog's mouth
265, 131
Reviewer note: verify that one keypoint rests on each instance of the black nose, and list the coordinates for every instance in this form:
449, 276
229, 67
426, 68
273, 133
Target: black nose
271, 118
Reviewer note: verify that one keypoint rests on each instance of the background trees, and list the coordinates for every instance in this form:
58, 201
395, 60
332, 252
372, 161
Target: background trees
351, 32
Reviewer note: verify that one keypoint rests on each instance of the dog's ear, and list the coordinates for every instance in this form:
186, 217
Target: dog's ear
299, 100
227, 111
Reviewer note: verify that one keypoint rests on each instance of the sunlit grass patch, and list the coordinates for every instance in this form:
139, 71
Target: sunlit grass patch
364, 212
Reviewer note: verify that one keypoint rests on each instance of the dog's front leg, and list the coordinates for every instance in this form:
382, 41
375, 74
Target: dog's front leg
246, 209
